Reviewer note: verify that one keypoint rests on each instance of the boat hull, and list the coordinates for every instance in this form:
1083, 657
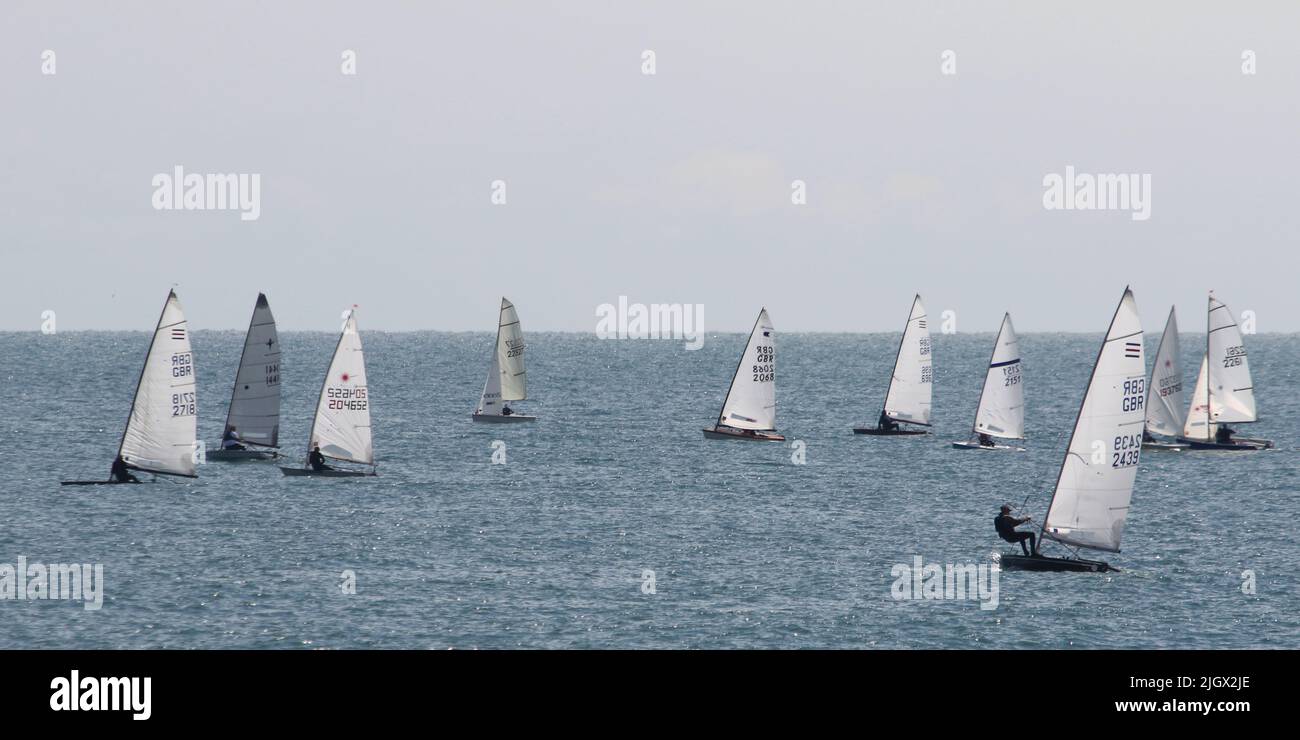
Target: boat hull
333, 473
1238, 444
1166, 446
900, 432
978, 446
1056, 565
97, 483
500, 419
218, 455
720, 432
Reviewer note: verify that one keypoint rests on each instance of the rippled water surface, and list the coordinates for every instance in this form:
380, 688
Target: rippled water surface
549, 550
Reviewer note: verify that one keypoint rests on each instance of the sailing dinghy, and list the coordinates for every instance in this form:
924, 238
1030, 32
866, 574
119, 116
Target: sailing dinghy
253, 421
161, 434
1000, 413
1091, 500
507, 379
1165, 394
908, 399
341, 427
749, 410
1224, 392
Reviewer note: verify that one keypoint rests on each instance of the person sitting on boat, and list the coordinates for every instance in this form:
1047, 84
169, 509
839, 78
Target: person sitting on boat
1223, 435
1006, 526
230, 440
317, 460
120, 473
1146, 436
506, 411
887, 424
985, 440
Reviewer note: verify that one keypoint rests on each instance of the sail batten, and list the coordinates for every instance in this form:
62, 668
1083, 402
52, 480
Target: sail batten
1093, 489
341, 426
910, 386
255, 400
1001, 408
162, 429
751, 398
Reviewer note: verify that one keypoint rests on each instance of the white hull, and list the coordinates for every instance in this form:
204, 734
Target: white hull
977, 446
237, 455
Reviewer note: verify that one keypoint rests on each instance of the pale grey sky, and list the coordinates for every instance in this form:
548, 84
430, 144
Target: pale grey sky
667, 188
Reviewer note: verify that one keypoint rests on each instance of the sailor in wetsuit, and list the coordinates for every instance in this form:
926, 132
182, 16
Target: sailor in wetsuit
317, 460
1223, 435
886, 424
985, 440
120, 474
1006, 526
506, 410
230, 440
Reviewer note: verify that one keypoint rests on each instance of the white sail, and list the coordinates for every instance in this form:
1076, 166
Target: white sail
1197, 425
255, 401
1224, 392
1001, 411
1092, 493
342, 424
751, 399
507, 379
910, 386
161, 433
1165, 391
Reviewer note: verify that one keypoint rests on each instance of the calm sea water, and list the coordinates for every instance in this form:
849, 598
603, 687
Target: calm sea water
549, 550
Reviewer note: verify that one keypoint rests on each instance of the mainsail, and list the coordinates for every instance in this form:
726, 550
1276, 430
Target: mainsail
507, 379
255, 401
1165, 391
1224, 391
751, 399
1001, 411
910, 386
342, 423
1092, 493
161, 433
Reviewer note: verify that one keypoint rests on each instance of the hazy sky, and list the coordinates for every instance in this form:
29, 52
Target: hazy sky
376, 188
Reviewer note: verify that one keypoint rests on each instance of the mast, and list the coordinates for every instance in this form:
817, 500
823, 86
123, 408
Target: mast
1209, 307
326, 379
230, 410
893, 372
171, 295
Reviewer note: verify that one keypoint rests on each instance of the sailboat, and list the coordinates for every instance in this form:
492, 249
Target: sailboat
1000, 413
1224, 392
908, 399
1091, 500
254, 414
341, 427
507, 379
161, 434
749, 410
1165, 393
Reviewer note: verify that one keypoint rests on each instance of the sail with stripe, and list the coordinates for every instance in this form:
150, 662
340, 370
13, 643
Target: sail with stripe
161, 435
1224, 391
1165, 391
751, 398
255, 401
1091, 500
1001, 410
507, 378
910, 386
341, 426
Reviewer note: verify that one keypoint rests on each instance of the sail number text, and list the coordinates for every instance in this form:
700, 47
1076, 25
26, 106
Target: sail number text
1010, 375
1236, 356
273, 374
182, 365
764, 370
346, 399
183, 404
1135, 393
1126, 450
